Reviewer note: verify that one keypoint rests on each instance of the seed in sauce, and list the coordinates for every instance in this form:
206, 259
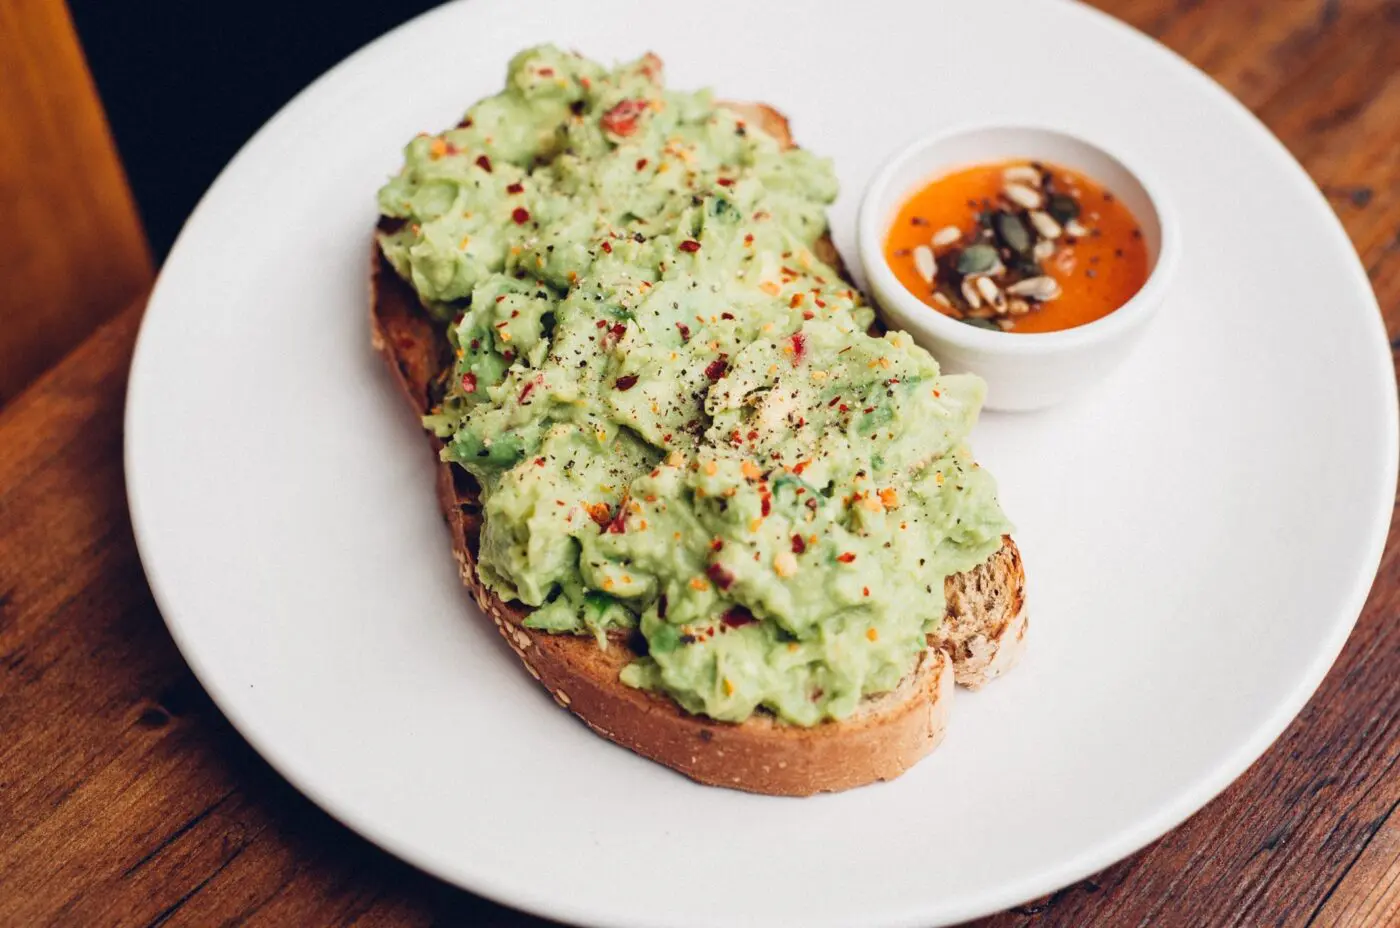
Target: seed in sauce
1099, 234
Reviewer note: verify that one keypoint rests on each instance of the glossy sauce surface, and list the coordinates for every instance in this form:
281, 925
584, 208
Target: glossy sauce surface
1098, 272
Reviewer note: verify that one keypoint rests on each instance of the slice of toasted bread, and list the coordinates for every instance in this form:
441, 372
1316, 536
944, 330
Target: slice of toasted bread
979, 639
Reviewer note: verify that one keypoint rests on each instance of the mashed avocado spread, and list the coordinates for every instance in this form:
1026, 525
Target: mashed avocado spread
676, 414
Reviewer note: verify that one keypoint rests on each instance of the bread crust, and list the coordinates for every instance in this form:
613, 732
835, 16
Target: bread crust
886, 736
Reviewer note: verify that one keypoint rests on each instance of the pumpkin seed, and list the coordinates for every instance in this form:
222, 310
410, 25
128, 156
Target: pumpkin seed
1023, 196
946, 236
1040, 289
1027, 267
1063, 208
969, 292
982, 324
1045, 225
1012, 232
925, 264
1021, 174
978, 259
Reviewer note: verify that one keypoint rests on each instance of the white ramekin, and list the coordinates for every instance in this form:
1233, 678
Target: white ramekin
1022, 370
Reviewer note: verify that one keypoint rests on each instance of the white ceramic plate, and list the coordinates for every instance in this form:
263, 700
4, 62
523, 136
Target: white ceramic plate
1199, 534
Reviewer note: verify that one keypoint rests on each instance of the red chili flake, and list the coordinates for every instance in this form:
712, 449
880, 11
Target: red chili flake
799, 545
651, 66
469, 382
765, 501
618, 524
868, 410
476, 344
500, 298
796, 300
508, 355
799, 348
808, 314
622, 118
716, 368
748, 239
484, 163
865, 590
607, 247
722, 578
834, 401
601, 323
726, 315
685, 331
527, 390
466, 123
521, 215
515, 188
737, 617
618, 330
725, 181
843, 408
717, 544
752, 436
661, 605
626, 382
690, 246
846, 557
546, 72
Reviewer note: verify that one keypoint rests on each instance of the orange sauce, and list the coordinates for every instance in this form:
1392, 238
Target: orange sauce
1098, 271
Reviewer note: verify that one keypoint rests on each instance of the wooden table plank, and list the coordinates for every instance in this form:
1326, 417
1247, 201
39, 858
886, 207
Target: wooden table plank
142, 807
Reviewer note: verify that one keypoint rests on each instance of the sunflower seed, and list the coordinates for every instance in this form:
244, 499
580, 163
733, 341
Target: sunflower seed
1023, 196
969, 292
1017, 307
989, 292
1045, 225
1040, 289
942, 299
925, 264
1074, 228
978, 259
1043, 249
1021, 174
946, 236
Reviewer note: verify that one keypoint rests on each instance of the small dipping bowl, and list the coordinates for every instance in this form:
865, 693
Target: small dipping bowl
1023, 370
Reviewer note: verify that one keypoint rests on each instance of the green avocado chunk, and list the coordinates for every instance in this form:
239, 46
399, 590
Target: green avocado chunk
677, 414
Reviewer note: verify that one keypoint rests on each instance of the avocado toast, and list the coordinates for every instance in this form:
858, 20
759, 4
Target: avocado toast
714, 515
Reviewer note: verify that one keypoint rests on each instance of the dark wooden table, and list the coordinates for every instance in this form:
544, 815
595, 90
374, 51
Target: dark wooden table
125, 798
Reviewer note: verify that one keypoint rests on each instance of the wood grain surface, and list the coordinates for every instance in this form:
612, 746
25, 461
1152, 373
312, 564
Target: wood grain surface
72, 252
125, 799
